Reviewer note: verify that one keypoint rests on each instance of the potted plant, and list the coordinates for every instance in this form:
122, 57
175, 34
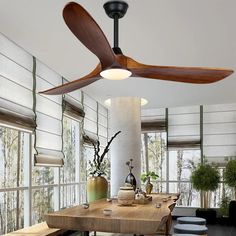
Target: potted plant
97, 185
230, 175
150, 175
230, 179
224, 209
205, 178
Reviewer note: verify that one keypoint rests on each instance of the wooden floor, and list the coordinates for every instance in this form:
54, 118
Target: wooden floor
221, 230
213, 230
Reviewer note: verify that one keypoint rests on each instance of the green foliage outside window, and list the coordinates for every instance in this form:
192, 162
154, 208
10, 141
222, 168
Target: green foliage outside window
205, 178
230, 174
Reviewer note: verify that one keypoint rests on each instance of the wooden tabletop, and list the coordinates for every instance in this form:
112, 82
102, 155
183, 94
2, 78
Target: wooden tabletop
135, 219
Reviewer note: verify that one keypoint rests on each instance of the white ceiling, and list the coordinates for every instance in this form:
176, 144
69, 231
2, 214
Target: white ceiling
158, 32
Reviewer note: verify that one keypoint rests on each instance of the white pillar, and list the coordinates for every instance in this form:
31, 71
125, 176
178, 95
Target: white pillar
125, 116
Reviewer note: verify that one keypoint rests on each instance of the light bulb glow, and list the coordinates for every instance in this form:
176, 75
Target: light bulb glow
108, 102
116, 74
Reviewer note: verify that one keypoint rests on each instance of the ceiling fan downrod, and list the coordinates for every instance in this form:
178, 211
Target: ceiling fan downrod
116, 10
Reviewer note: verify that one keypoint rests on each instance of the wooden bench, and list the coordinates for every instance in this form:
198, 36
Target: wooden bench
40, 229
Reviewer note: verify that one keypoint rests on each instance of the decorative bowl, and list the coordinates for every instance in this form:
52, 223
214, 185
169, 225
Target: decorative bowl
107, 212
85, 205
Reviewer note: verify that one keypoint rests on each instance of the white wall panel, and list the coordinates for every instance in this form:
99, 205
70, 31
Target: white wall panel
184, 130
90, 126
90, 113
49, 124
222, 128
103, 141
219, 117
48, 141
220, 107
228, 139
15, 72
184, 138
223, 151
102, 120
88, 101
15, 93
184, 110
102, 131
48, 74
48, 107
102, 110
16, 53
183, 119
43, 85
153, 112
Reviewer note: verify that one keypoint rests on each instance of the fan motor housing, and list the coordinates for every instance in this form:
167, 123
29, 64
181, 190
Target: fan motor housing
116, 8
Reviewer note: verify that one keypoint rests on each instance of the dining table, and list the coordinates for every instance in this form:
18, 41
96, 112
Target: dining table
140, 219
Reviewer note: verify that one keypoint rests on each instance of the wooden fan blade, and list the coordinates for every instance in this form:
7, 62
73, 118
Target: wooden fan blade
76, 84
88, 32
197, 75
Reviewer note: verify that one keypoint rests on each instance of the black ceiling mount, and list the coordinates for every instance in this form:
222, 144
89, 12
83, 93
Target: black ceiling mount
116, 10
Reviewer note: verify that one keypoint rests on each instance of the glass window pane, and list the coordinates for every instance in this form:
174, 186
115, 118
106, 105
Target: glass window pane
188, 197
154, 147
88, 153
42, 175
11, 211
158, 187
71, 136
181, 163
68, 195
11, 161
83, 193
42, 203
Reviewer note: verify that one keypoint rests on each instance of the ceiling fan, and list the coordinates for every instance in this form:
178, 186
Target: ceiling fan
113, 63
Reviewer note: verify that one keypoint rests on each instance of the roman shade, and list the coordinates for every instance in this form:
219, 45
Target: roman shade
16, 120
48, 114
183, 144
73, 109
89, 138
95, 123
153, 125
16, 86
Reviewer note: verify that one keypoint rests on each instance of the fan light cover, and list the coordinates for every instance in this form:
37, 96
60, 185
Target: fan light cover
116, 74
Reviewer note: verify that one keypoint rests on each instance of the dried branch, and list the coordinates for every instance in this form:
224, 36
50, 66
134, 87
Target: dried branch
97, 166
107, 147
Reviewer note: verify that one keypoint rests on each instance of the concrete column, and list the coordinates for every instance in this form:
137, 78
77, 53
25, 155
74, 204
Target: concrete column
125, 116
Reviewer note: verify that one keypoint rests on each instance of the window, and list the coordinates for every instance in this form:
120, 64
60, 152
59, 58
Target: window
27, 192
173, 168
69, 173
14, 154
181, 164
153, 157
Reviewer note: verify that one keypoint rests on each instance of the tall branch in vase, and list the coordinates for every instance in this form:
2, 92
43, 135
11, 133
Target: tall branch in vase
98, 164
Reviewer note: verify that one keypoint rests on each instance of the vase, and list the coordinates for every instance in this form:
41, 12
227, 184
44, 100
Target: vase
130, 179
149, 186
97, 188
126, 195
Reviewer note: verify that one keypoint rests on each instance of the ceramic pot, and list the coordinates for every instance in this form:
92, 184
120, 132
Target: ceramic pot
97, 188
149, 186
126, 195
130, 179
